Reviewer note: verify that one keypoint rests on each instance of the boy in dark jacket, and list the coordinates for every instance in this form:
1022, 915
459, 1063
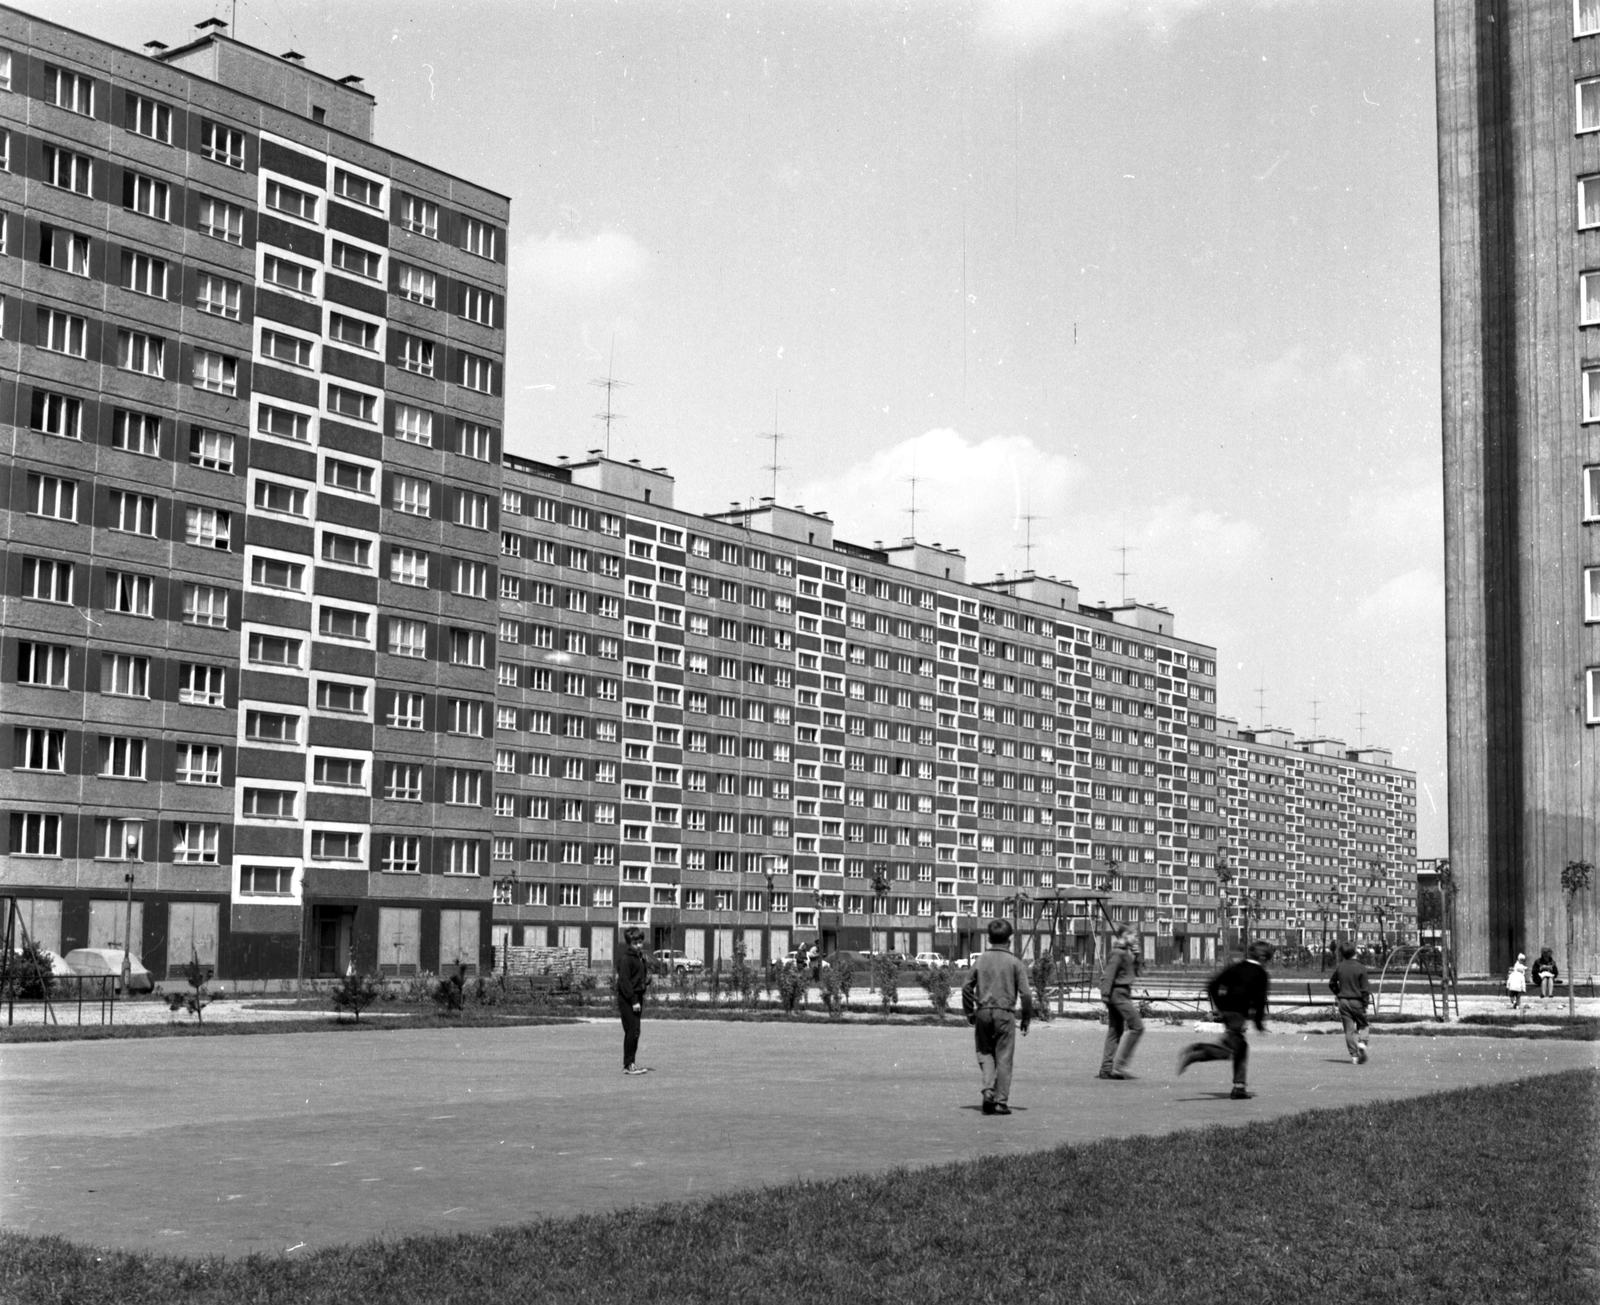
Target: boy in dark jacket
633, 977
1238, 993
1124, 1028
1349, 985
988, 998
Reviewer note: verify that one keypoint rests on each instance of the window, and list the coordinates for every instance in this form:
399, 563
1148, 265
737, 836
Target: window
41, 749
462, 856
193, 841
198, 763
408, 638
478, 237
222, 221
402, 854
66, 251
346, 550
406, 712
136, 432
144, 274
479, 305
335, 845
412, 496
477, 373
57, 414
470, 579
413, 425
463, 788
125, 675
1591, 593
352, 403
468, 648
69, 90
275, 496
465, 717
352, 258
35, 834
1589, 105
291, 201
207, 527
283, 423
339, 772
146, 195
353, 331
472, 510
416, 355
266, 881
218, 296
134, 514
42, 664
201, 686
222, 144
334, 695
216, 372
148, 118
128, 593
420, 216
349, 476
62, 332
409, 566
205, 605
417, 285
69, 171
343, 623
210, 449
358, 189
121, 758
474, 440
274, 650
138, 352
271, 727
51, 496
289, 275
1591, 493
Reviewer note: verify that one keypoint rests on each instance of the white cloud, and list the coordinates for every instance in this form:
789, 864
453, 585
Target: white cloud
1411, 600
580, 265
1027, 23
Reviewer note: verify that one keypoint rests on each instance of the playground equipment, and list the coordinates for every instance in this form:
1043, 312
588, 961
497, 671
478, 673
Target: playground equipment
1442, 999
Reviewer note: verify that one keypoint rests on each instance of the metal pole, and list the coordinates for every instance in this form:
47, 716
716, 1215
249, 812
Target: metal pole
127, 924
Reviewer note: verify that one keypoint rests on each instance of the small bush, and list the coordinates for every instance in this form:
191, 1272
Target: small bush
937, 982
834, 992
886, 973
451, 993
793, 983
29, 976
354, 993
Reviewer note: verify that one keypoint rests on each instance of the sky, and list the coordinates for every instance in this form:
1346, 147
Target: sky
1097, 275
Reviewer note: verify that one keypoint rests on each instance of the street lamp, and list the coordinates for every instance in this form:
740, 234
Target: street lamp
1224, 881
131, 846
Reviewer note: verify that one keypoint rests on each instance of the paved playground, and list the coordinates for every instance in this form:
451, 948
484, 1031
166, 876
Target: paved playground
278, 1143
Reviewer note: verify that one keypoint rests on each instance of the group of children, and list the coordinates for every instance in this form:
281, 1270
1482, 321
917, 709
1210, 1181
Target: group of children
1238, 994
1544, 975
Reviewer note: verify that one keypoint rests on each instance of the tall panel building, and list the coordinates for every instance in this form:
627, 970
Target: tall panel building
252, 398
1519, 181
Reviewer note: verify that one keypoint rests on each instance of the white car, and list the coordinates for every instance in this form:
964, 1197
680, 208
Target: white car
678, 963
932, 960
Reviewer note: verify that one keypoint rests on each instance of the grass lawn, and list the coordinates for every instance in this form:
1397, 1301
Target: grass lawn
1482, 1195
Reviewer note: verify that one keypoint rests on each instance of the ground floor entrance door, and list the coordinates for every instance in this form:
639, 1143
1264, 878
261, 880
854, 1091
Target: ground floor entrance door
332, 933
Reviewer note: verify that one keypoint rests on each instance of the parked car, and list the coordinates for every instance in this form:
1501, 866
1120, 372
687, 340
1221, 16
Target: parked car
929, 961
678, 963
793, 958
972, 958
98, 962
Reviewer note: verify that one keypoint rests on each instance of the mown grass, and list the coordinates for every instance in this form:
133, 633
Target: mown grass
428, 1019
1482, 1195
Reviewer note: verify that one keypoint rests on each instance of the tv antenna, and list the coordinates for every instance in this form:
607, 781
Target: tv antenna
1124, 549
1261, 701
609, 383
912, 511
1315, 703
1361, 726
1028, 518
775, 435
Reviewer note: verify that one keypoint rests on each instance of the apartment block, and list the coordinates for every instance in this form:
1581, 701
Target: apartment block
1519, 229
1321, 839
251, 401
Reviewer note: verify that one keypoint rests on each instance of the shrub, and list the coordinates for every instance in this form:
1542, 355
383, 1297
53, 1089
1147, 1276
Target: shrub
450, 993
29, 976
792, 986
194, 1001
937, 982
354, 993
844, 972
835, 991
886, 972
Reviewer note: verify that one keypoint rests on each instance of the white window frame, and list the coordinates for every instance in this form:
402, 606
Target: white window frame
1591, 594
1592, 695
1591, 394
1591, 493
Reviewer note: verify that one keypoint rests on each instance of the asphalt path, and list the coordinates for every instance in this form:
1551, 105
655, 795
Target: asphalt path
279, 1143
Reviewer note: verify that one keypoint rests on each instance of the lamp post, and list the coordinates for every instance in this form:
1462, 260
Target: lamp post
1224, 881
131, 846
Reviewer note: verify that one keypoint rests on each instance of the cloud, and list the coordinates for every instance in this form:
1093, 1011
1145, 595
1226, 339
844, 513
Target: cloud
1411, 600
1028, 23
574, 265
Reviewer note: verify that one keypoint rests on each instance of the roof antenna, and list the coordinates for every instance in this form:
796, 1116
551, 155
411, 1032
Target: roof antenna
775, 435
1361, 724
609, 383
1124, 548
1315, 702
1261, 701
913, 511
1028, 518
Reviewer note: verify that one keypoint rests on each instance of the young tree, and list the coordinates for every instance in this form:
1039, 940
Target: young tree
1574, 880
354, 993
